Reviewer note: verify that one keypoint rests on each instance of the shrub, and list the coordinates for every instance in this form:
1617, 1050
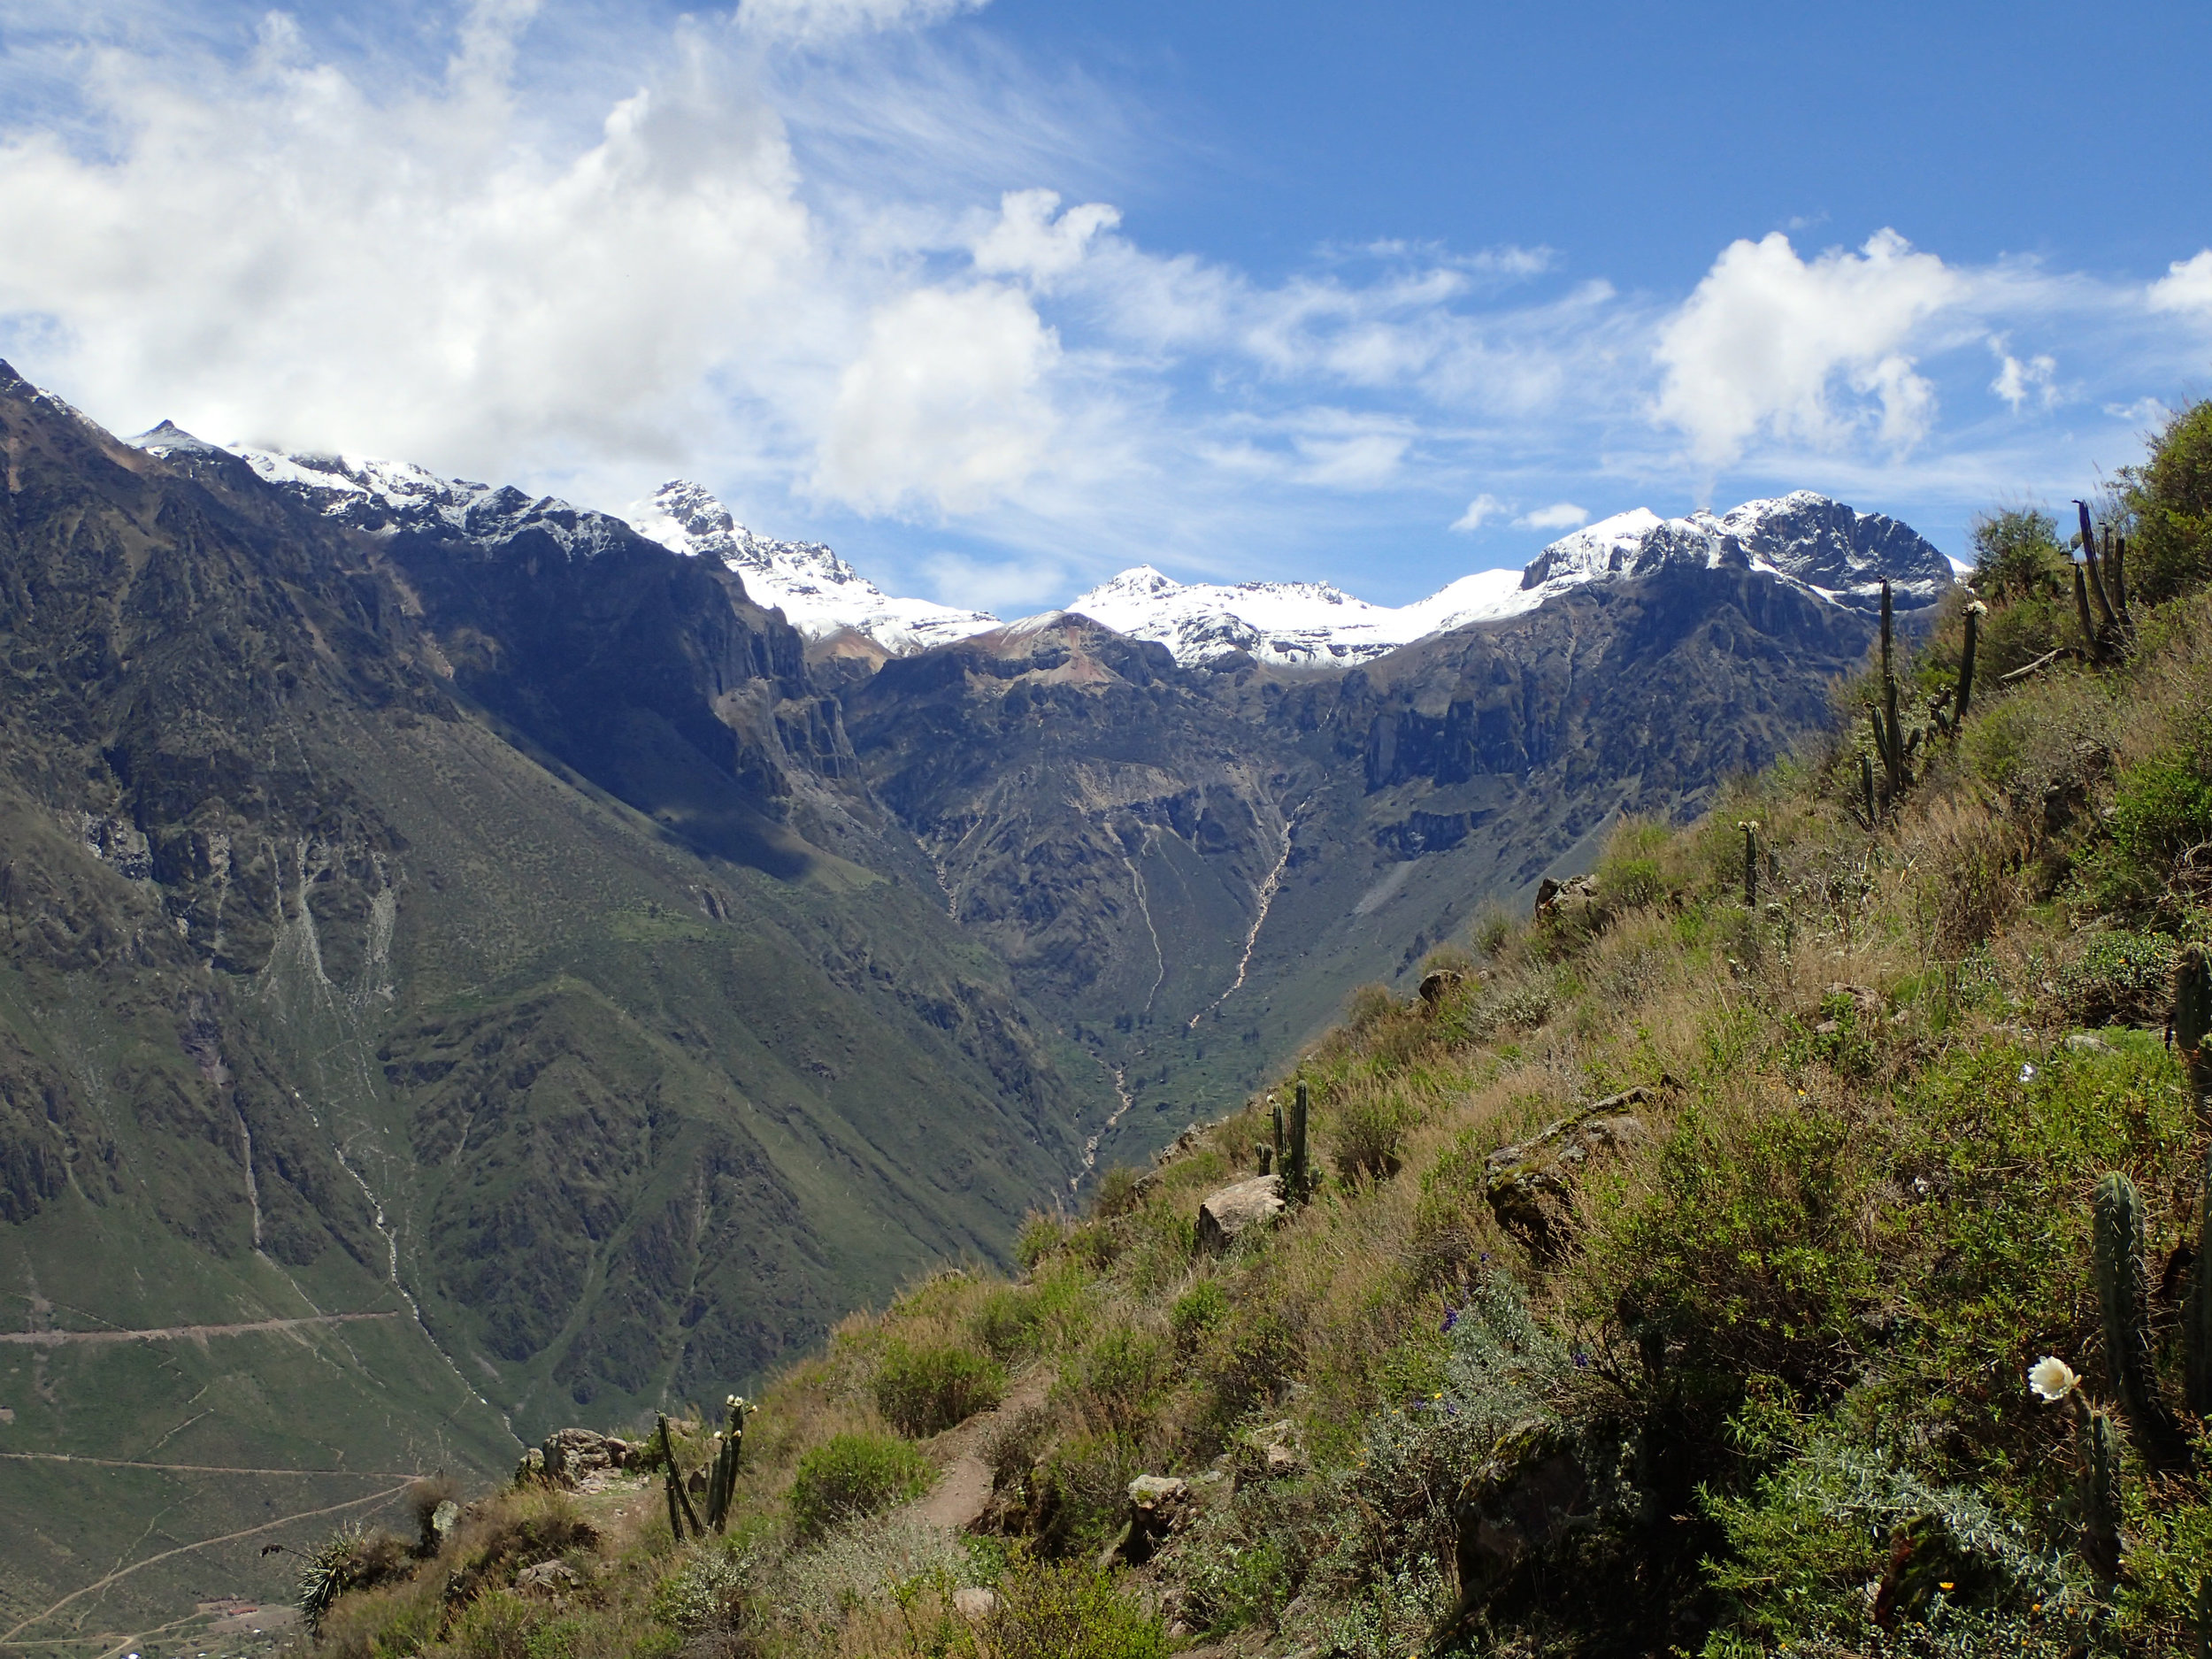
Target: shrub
2160, 809
1363, 1137
1118, 1193
1194, 1314
2170, 498
1115, 1381
349, 1559
1086, 1492
850, 1475
1071, 1611
1042, 1233
924, 1390
2017, 555
2119, 978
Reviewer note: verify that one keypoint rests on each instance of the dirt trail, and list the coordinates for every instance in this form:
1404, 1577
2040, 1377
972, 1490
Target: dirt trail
185, 1549
180, 1332
958, 1498
199, 1468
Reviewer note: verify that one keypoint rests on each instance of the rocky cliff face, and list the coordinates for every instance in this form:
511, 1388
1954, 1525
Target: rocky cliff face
1188, 866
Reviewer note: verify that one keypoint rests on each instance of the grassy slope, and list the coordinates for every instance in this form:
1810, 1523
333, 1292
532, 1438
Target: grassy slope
1776, 1376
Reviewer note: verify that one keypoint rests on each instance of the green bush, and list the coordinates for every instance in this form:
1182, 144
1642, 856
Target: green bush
1194, 1314
1116, 1381
1118, 1193
2017, 555
1749, 1249
2120, 978
1085, 1494
924, 1390
2160, 809
850, 1475
1364, 1136
1071, 1611
2170, 498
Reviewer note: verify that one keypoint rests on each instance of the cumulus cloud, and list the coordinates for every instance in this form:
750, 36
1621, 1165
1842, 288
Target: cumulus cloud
2186, 286
2019, 379
1479, 512
1027, 239
1560, 515
1771, 342
944, 408
270, 252
814, 22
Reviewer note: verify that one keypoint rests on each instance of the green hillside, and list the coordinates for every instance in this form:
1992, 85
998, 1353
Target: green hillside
492, 998
1827, 1134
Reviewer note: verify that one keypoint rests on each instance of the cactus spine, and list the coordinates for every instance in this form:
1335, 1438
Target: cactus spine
2100, 1495
2124, 1295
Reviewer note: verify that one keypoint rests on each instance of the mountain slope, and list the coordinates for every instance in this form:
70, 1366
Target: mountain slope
1189, 866
466, 922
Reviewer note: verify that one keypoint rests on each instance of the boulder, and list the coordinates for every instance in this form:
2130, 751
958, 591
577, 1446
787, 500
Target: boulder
1271, 1453
1159, 1505
1237, 1208
1439, 984
1530, 1185
547, 1578
974, 1603
1572, 903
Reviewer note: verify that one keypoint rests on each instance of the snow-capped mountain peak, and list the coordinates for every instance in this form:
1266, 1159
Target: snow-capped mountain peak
818, 592
1818, 546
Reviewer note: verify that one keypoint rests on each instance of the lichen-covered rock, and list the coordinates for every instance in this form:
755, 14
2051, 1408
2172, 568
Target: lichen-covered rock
1530, 1185
1572, 904
1236, 1209
1159, 1506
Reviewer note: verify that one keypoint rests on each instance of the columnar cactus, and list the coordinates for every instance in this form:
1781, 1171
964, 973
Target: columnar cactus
1750, 828
1282, 1167
2193, 1023
2100, 1494
2124, 1295
722, 1484
680, 1514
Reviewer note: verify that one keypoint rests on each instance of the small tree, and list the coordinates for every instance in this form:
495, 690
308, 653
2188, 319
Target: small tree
2169, 499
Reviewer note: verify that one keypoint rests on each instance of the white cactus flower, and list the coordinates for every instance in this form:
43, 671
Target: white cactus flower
2052, 1379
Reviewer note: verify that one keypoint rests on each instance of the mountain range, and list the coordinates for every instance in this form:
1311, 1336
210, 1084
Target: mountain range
472, 962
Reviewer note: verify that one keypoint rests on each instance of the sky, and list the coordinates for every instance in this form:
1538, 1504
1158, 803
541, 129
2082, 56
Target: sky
1000, 298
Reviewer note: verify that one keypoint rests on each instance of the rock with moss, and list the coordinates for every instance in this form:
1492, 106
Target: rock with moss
1530, 1185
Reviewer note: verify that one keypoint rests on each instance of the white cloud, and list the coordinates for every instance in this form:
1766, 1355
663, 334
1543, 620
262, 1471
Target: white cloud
2186, 286
270, 252
2019, 379
1562, 515
1479, 512
814, 22
1768, 341
1027, 241
944, 408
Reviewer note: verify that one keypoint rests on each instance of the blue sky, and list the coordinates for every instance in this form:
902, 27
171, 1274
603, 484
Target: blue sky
1000, 299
